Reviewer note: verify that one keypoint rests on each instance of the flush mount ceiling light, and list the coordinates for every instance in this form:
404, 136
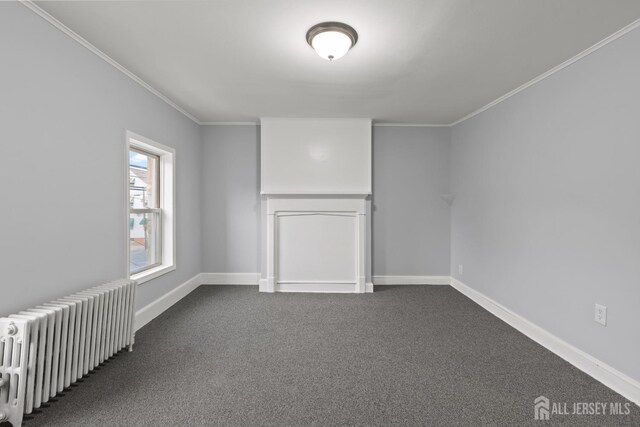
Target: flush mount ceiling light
331, 40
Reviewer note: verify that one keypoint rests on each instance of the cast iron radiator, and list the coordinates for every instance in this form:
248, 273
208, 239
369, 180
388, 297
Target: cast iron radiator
45, 349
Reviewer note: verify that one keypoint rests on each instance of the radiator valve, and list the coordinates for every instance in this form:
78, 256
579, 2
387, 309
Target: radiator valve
12, 329
3, 416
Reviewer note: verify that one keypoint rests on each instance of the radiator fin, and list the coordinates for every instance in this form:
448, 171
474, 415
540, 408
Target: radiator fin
45, 349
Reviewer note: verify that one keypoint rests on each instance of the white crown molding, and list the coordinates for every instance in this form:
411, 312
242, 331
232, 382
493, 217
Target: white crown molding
410, 125
584, 53
59, 25
229, 123
610, 377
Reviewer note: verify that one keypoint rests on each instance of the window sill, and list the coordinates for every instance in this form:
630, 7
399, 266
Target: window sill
145, 276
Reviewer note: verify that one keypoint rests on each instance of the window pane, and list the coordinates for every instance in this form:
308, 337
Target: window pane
144, 241
143, 180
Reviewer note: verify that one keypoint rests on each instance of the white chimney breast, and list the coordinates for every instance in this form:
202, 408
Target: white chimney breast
315, 156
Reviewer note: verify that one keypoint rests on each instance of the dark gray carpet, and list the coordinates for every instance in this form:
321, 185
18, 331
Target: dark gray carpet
410, 355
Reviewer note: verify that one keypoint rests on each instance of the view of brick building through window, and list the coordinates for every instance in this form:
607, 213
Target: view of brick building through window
145, 214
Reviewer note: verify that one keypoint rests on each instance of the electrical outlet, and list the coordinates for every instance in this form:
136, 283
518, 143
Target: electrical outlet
459, 268
601, 314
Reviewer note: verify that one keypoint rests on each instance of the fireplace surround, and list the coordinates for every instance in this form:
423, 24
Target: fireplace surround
316, 205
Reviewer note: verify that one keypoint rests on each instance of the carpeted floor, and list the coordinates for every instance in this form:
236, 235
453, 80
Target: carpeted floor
407, 355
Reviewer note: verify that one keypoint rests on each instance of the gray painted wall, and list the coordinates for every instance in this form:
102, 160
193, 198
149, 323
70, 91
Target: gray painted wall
411, 221
63, 117
546, 219
410, 224
231, 199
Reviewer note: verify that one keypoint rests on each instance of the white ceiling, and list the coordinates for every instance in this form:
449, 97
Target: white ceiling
427, 62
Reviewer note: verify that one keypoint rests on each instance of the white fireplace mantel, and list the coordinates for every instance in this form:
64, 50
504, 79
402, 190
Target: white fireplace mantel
316, 243
315, 184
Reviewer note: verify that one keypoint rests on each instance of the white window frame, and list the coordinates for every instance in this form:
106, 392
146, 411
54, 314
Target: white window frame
167, 187
155, 211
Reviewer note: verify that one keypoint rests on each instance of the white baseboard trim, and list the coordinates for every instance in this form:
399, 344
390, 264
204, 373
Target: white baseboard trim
149, 312
230, 278
316, 287
610, 377
368, 288
321, 287
411, 280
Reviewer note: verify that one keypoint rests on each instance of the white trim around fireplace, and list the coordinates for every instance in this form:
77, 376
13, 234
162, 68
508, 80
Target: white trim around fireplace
290, 219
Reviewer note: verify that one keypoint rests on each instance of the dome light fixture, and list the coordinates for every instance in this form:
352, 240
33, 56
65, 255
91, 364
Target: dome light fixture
331, 40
